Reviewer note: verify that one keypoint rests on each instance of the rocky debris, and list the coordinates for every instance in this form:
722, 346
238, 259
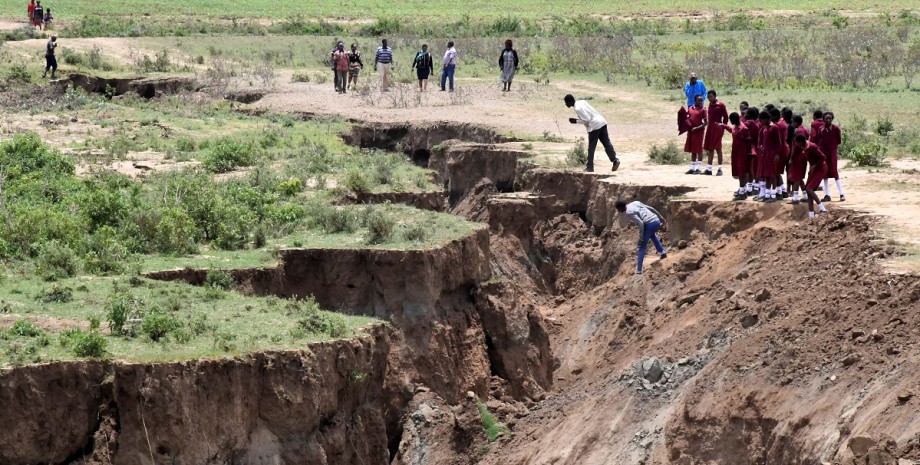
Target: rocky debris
851, 359
245, 95
749, 320
860, 445
905, 396
650, 369
762, 295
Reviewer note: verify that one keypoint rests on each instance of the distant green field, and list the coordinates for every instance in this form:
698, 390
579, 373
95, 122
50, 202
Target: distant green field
476, 9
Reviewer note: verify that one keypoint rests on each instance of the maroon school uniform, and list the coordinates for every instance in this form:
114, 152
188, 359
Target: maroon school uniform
717, 116
783, 129
816, 160
741, 151
828, 141
816, 127
754, 130
694, 142
771, 146
798, 165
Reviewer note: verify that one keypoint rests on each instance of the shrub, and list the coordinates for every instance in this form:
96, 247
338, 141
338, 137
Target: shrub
85, 344
383, 172
56, 260
106, 254
290, 187
415, 233
158, 324
338, 220
870, 153
25, 329
884, 127
121, 309
175, 232
667, 155
578, 156
356, 182
227, 154
55, 294
379, 227
490, 425
319, 322
300, 76
219, 279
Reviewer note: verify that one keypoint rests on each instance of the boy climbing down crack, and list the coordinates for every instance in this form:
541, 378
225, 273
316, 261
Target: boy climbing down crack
649, 222
597, 130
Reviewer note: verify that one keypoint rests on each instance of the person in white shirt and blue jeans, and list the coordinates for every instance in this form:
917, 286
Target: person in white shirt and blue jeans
597, 130
649, 222
450, 65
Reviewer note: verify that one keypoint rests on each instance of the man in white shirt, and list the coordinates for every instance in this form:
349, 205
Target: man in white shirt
450, 65
597, 130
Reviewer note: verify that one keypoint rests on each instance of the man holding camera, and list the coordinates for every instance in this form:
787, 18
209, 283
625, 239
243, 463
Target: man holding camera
597, 131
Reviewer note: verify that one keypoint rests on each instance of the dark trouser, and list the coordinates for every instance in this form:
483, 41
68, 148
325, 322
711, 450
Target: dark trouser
341, 79
50, 63
600, 135
448, 73
648, 232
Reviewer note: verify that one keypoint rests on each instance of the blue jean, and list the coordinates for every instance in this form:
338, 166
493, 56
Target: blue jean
649, 232
448, 72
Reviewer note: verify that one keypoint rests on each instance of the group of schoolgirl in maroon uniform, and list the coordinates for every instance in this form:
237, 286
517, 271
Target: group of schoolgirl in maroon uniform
765, 145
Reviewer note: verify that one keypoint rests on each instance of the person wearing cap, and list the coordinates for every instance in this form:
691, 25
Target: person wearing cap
692, 88
50, 60
597, 130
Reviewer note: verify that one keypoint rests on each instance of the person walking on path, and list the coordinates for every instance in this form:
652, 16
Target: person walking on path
450, 66
383, 61
30, 11
597, 130
340, 67
696, 117
48, 18
354, 66
423, 65
649, 222
692, 88
50, 60
716, 119
508, 62
38, 16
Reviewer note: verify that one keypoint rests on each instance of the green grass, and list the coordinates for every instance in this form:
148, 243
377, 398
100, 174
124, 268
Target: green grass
373, 9
490, 424
214, 322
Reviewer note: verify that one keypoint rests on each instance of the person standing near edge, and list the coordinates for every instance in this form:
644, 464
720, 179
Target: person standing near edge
597, 130
354, 66
692, 88
450, 66
340, 66
649, 222
50, 60
696, 118
508, 63
383, 61
30, 10
829, 139
423, 65
716, 119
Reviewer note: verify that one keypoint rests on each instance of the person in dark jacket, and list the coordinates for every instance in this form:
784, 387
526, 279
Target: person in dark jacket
508, 62
50, 60
423, 65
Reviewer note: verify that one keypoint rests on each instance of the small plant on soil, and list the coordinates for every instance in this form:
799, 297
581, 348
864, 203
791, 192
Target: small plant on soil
667, 155
122, 309
300, 76
56, 261
357, 182
158, 324
415, 233
55, 294
219, 279
379, 227
578, 156
85, 343
24, 328
490, 425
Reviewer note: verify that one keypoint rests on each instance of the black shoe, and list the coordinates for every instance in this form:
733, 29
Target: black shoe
589, 169
616, 164
795, 202
785, 195
691, 171
843, 199
769, 200
719, 173
664, 255
698, 172
739, 197
708, 172
826, 198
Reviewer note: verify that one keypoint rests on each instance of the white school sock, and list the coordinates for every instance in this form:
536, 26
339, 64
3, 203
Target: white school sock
795, 196
821, 208
692, 165
708, 167
720, 167
748, 188
840, 188
763, 186
811, 214
826, 192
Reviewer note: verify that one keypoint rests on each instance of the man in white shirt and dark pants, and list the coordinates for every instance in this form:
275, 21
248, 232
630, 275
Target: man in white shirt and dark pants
450, 65
597, 131
649, 222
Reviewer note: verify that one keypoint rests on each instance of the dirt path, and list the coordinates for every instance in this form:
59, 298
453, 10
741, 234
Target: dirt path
534, 110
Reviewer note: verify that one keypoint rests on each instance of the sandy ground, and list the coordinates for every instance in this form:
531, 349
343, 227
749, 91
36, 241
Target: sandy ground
534, 110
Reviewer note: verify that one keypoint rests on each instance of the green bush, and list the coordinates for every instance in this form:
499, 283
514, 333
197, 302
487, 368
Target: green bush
326, 323
121, 308
300, 76
884, 127
219, 279
85, 344
175, 233
578, 156
870, 153
379, 227
667, 155
383, 172
25, 328
55, 294
106, 255
415, 233
56, 260
356, 182
490, 425
290, 187
158, 324
228, 154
